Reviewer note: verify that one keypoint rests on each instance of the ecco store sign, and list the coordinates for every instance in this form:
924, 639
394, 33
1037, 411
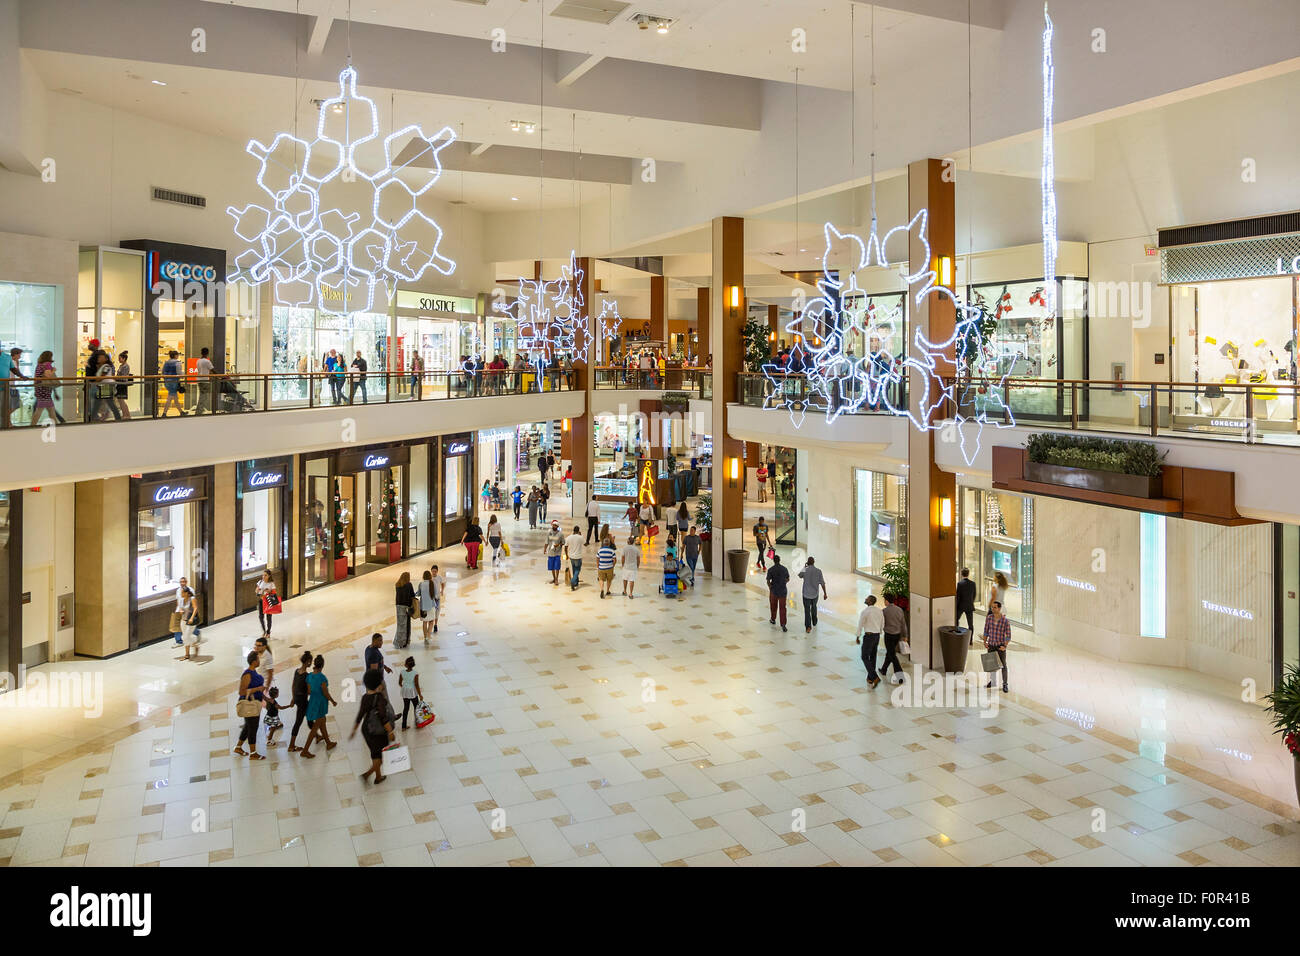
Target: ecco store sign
431, 302
171, 269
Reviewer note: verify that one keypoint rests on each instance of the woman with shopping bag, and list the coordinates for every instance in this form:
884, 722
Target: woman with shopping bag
375, 721
268, 602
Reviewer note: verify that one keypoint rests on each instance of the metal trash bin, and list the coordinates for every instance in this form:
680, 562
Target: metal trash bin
953, 644
738, 563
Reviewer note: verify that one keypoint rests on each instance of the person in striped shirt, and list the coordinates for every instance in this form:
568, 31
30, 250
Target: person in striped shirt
605, 559
997, 635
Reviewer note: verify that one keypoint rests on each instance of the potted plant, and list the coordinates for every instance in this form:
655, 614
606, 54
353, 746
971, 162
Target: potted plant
898, 582
1130, 468
704, 522
757, 350
1284, 710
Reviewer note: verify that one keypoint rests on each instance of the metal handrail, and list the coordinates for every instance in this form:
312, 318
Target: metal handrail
75, 400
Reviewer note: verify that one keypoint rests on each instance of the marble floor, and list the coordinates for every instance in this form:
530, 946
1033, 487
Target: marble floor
576, 731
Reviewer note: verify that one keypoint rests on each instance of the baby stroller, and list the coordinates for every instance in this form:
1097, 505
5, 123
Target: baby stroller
231, 399
670, 586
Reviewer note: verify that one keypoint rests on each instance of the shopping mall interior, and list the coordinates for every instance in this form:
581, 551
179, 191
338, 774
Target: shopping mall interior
918, 378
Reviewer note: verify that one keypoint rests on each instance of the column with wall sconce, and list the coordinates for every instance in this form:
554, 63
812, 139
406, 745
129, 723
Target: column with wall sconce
726, 324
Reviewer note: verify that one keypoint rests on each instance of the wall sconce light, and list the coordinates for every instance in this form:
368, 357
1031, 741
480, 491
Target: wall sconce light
735, 297
771, 336
733, 470
945, 516
566, 424
945, 271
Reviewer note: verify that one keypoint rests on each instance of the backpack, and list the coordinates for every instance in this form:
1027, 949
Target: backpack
377, 716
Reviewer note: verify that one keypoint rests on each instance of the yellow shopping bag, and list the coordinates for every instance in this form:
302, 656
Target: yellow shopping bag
505, 548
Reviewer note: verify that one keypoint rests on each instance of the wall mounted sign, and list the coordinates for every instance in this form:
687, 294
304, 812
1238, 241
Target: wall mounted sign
373, 459
1230, 611
433, 302
488, 435
455, 447
171, 269
274, 476
173, 491
1072, 583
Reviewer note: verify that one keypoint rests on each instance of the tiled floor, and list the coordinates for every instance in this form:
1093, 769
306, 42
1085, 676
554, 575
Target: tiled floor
575, 731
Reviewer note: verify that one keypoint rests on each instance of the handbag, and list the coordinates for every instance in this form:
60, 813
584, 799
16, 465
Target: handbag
396, 758
415, 606
505, 548
271, 603
990, 662
246, 707
424, 715
654, 530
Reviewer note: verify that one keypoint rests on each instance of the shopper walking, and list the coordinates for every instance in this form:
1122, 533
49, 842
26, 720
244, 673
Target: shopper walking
171, 372
997, 635
438, 585
104, 390
683, 520
265, 586
593, 519
633, 516
778, 580
359, 370
10, 372
534, 505
301, 696
691, 544
544, 499
424, 593
813, 579
374, 658
472, 539
761, 541
966, 602
404, 599
554, 548
629, 563
203, 374
517, 497
43, 375
573, 551
123, 382
895, 626
605, 559
998, 592
318, 701
265, 660
761, 475
647, 518
249, 708
871, 624
408, 682
375, 721
189, 622
568, 482
495, 540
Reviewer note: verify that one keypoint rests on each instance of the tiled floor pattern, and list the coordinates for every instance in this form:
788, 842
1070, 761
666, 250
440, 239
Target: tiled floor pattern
609, 733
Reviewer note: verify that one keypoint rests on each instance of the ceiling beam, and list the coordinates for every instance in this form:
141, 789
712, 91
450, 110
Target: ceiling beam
480, 148
982, 13
574, 66
319, 32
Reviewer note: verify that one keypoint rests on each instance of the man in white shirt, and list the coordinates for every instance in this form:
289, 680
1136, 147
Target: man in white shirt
630, 561
554, 545
593, 521
203, 372
871, 623
573, 551
647, 518
180, 593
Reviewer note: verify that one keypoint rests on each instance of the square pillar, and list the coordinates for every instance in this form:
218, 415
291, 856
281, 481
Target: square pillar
726, 322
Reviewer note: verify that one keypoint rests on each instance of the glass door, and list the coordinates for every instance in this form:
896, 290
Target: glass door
318, 498
787, 507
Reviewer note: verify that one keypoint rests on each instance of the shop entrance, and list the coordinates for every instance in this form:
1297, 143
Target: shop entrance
368, 518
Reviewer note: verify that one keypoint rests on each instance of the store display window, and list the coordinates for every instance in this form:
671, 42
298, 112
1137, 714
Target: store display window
997, 538
880, 520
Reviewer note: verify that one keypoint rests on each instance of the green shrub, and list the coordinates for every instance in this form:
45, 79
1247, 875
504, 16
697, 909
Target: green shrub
1098, 454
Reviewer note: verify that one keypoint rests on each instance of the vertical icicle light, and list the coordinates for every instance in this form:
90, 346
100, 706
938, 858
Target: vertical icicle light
1049, 170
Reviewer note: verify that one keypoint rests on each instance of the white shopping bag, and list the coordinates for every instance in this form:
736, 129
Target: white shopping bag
396, 758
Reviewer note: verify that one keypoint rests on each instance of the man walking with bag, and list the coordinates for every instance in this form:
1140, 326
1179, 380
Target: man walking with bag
778, 577
895, 626
997, 635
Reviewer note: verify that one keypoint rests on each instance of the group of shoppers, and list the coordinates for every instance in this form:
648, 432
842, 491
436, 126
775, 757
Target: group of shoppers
421, 601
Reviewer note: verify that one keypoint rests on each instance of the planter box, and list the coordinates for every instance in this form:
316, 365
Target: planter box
340, 569
388, 552
1111, 482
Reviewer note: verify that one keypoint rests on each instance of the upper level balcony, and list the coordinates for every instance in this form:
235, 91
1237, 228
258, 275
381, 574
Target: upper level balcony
697, 382
67, 429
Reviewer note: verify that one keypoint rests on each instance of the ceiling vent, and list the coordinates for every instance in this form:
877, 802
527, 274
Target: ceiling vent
179, 198
477, 3
590, 11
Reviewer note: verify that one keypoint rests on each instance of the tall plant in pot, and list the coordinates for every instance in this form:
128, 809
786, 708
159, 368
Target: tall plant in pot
1284, 711
898, 582
704, 524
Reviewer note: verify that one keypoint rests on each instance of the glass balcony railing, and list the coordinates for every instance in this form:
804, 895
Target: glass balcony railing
792, 391
690, 379
70, 401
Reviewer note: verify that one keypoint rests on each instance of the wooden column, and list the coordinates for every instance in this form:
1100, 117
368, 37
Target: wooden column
726, 321
933, 549
702, 298
658, 312
773, 329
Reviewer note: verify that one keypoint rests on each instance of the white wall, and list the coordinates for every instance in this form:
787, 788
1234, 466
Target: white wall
49, 564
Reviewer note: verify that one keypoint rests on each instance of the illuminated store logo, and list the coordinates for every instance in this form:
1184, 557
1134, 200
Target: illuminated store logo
167, 493
489, 435
458, 448
1228, 423
1071, 583
1288, 268
1230, 611
1086, 721
314, 252
427, 302
171, 269
264, 479
828, 519
374, 461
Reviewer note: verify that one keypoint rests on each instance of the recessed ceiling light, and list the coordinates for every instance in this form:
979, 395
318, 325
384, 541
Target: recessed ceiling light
337, 107
514, 125
663, 27
157, 82
529, 128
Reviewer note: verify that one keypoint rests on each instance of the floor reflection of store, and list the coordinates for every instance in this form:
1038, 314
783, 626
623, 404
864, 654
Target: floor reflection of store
171, 538
997, 537
880, 520
261, 515
364, 509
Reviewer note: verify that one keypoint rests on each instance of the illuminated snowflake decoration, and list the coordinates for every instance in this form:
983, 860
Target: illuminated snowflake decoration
308, 240
551, 317
844, 382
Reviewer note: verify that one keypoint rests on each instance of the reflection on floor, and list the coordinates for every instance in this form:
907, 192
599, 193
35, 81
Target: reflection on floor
616, 732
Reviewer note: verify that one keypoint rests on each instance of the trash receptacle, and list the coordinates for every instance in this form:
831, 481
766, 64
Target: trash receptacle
738, 562
953, 644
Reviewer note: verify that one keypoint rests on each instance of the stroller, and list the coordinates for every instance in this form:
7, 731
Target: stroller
671, 584
231, 399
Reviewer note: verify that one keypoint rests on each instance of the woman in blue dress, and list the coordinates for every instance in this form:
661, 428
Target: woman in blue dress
318, 701
250, 688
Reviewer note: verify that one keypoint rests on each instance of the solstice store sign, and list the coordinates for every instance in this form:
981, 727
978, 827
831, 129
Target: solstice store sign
432, 302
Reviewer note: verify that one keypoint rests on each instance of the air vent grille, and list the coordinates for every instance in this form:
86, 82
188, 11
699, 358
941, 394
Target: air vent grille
1255, 228
590, 11
179, 198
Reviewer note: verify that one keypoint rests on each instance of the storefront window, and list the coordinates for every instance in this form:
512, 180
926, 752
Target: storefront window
110, 307
292, 349
303, 338
880, 535
242, 330
417, 511
165, 538
318, 501
31, 318
453, 487
997, 537
258, 535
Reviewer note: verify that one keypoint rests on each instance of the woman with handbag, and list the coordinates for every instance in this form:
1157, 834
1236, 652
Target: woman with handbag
375, 720
424, 594
495, 539
268, 602
249, 708
190, 621
44, 374
407, 607
123, 383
